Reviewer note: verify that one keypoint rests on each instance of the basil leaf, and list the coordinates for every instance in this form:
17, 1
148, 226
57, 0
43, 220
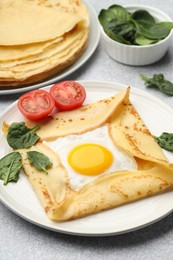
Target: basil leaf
105, 17
165, 140
144, 17
155, 31
124, 29
120, 13
114, 12
116, 37
142, 40
158, 81
19, 136
39, 160
168, 25
10, 167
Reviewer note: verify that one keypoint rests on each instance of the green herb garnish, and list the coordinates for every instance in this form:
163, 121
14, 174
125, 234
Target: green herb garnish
165, 140
137, 28
10, 167
158, 81
19, 136
39, 160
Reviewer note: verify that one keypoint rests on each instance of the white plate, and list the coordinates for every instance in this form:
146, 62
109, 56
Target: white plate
21, 199
94, 37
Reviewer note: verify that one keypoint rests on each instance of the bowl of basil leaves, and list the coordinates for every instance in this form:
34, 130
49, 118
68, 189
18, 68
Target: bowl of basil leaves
135, 34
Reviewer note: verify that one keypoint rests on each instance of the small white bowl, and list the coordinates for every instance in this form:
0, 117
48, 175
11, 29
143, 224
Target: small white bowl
139, 55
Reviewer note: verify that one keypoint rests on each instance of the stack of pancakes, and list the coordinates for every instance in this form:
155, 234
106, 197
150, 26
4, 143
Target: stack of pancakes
39, 38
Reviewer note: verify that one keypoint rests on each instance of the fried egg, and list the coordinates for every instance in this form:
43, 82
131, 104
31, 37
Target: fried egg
90, 155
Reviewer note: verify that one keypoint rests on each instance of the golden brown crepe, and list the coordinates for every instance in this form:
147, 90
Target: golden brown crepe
19, 52
128, 131
80, 120
24, 22
47, 37
59, 47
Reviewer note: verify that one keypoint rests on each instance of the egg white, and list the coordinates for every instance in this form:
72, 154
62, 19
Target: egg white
63, 146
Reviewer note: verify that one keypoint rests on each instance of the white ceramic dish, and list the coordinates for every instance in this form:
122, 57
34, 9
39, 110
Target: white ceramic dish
21, 199
139, 55
94, 38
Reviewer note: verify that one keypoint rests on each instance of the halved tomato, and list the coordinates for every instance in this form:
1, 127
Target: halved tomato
68, 95
36, 104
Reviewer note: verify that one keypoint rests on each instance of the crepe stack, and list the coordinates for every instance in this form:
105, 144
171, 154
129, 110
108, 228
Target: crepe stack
40, 38
127, 130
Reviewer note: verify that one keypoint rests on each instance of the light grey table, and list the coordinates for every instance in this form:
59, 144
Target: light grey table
20, 239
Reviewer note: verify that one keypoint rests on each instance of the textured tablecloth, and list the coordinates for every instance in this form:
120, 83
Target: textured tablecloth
20, 239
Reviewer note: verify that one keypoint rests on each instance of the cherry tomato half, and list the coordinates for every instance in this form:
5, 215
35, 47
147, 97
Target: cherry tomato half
36, 104
68, 95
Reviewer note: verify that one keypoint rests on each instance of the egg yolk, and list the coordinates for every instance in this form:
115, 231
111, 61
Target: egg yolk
90, 159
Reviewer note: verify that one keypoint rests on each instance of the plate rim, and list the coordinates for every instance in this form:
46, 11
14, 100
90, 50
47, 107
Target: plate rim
12, 208
74, 67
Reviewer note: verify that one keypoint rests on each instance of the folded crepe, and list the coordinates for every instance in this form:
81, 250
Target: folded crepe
127, 130
40, 38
